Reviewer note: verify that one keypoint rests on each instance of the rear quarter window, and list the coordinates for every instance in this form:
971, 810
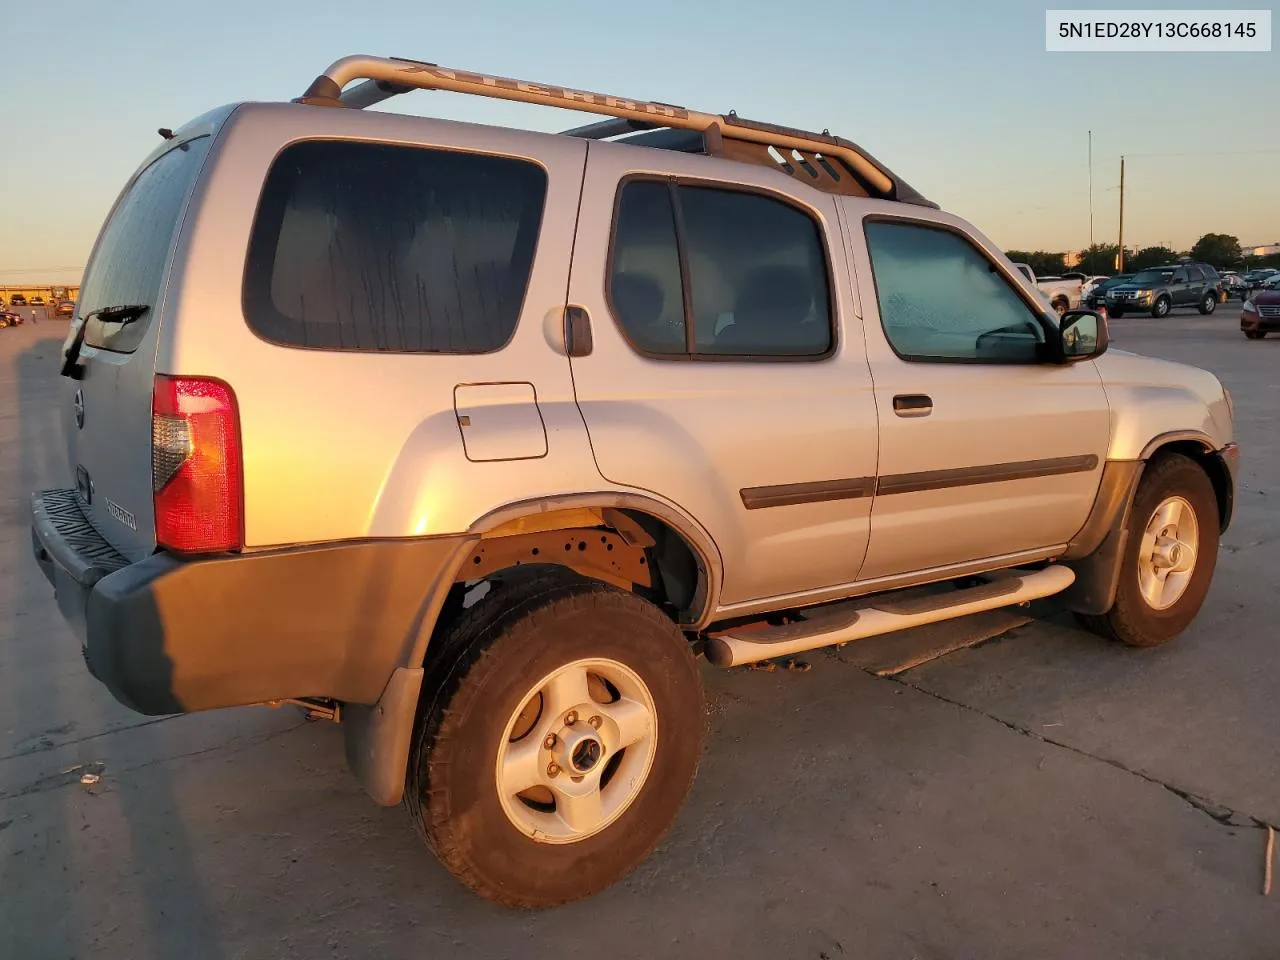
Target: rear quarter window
388, 248
129, 264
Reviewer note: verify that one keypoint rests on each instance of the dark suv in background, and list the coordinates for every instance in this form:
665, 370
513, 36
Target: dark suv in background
1096, 298
1158, 290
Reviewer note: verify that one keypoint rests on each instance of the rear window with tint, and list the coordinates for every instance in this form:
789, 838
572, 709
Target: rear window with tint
378, 247
128, 266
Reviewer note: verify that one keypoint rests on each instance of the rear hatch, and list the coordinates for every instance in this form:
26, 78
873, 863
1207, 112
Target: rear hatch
107, 410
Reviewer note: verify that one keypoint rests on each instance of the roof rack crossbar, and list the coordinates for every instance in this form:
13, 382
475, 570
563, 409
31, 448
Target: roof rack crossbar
609, 128
391, 76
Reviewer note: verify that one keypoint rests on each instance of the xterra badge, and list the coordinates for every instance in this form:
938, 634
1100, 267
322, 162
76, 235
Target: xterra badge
121, 514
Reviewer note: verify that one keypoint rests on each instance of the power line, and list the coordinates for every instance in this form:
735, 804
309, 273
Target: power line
1208, 153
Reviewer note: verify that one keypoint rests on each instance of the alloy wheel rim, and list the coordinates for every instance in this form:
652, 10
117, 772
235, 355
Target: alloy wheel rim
577, 751
1167, 553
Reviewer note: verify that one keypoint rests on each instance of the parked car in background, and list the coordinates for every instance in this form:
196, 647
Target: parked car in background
10, 319
1260, 314
1160, 289
37, 301
66, 308
1096, 298
1232, 285
1254, 279
18, 300
1088, 285
1061, 293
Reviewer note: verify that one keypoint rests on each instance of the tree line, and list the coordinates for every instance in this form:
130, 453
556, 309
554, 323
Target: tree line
1219, 250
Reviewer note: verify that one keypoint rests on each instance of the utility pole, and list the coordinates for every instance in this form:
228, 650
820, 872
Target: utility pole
1090, 189
1120, 252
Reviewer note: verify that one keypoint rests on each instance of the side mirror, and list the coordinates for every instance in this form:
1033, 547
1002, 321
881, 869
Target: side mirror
1082, 334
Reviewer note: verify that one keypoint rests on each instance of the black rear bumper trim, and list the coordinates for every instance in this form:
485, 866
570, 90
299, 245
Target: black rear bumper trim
174, 636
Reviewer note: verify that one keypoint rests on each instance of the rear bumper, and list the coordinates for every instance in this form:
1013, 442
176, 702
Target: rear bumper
173, 636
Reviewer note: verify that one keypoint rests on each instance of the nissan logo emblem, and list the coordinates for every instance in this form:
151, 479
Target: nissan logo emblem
78, 405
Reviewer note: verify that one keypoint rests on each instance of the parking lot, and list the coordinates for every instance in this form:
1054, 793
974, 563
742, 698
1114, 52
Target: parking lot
1043, 794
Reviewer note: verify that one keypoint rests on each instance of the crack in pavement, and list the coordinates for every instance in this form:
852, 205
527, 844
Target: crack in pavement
1218, 812
41, 747
57, 781
1233, 548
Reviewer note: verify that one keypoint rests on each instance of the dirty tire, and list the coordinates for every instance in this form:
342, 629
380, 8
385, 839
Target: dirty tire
1131, 619
1161, 307
1208, 304
535, 620
1255, 334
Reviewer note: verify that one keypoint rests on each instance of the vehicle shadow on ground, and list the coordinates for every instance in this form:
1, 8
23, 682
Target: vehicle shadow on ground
43, 695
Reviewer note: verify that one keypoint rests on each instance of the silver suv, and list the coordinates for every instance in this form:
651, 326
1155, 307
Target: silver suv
475, 439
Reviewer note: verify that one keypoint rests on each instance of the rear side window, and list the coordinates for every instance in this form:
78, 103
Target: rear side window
377, 247
128, 266
707, 272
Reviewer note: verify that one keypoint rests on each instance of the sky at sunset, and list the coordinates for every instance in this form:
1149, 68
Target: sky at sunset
961, 99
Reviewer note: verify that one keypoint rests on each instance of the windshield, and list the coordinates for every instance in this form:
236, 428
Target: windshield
1153, 276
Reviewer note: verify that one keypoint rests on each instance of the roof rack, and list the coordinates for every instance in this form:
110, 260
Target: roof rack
828, 163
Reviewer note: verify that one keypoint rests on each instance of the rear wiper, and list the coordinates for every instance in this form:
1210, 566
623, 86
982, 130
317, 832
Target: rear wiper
122, 314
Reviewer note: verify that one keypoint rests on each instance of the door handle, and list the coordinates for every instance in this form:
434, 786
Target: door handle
577, 332
912, 405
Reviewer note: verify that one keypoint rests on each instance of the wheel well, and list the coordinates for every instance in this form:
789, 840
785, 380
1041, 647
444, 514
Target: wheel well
628, 548
1212, 465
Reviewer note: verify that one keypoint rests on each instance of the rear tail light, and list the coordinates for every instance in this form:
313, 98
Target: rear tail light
197, 466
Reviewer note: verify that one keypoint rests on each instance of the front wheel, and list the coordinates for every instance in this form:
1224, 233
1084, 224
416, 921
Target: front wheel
1169, 558
1255, 334
560, 743
1208, 304
1161, 307
1060, 307
1115, 314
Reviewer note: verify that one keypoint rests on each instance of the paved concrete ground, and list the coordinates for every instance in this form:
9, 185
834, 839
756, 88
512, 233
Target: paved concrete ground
1042, 795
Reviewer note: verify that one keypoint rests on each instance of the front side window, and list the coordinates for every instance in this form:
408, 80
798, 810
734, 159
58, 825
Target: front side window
379, 247
706, 272
940, 298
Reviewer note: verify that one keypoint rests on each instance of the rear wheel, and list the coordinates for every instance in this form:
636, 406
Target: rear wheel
558, 746
1208, 304
1161, 307
1169, 558
1060, 307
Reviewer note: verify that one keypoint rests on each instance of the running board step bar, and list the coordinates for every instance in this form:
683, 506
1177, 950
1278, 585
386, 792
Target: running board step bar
842, 623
